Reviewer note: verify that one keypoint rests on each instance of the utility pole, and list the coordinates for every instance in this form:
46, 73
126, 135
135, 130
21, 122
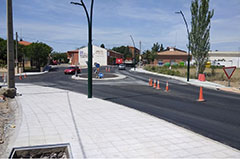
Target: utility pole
140, 47
10, 47
17, 51
134, 53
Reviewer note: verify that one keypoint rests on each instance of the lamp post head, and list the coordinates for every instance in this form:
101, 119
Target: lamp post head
76, 3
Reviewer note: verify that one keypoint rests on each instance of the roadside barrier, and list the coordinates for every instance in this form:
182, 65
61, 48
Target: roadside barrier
166, 90
158, 85
150, 82
154, 84
201, 99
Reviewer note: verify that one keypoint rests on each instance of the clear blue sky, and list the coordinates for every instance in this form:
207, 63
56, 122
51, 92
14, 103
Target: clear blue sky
64, 26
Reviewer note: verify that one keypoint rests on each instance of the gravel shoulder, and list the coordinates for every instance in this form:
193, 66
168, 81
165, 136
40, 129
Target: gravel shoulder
8, 110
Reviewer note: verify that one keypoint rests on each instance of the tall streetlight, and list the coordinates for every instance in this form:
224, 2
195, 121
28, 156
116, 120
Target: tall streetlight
188, 66
134, 54
89, 19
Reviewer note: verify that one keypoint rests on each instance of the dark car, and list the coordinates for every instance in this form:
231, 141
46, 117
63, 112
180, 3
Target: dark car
72, 70
122, 67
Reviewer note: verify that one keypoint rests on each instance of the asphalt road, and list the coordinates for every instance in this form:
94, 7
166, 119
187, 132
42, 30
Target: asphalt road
217, 118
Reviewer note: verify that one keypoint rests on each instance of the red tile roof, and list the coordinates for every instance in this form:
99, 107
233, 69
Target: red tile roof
172, 51
25, 43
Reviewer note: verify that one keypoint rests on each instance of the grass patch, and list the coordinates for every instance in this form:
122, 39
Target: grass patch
212, 74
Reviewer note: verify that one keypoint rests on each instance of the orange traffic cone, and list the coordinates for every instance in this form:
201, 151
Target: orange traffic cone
150, 82
20, 77
25, 75
3, 76
158, 85
166, 90
108, 69
154, 84
200, 99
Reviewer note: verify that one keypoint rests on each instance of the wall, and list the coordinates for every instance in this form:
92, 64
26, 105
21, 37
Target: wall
225, 58
99, 56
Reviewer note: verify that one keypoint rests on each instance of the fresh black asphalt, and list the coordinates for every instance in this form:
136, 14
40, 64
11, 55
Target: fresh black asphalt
217, 118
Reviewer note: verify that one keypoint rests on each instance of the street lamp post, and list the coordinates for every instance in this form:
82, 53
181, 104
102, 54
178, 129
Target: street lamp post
188, 65
89, 19
134, 53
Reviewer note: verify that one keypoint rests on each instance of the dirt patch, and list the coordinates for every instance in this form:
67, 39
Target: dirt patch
7, 116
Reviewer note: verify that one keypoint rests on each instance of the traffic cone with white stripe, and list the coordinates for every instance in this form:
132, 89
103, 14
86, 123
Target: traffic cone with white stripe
166, 90
154, 84
25, 75
158, 85
201, 99
109, 69
150, 82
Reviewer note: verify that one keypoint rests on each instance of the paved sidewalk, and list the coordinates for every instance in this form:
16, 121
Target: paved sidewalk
100, 129
195, 82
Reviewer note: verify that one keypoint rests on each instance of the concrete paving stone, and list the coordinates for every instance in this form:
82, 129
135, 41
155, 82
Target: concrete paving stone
93, 153
92, 146
121, 132
109, 150
131, 154
105, 145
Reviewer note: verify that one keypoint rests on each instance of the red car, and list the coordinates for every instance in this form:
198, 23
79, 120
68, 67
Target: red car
72, 69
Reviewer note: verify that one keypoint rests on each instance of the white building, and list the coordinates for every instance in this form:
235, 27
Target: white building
99, 56
225, 58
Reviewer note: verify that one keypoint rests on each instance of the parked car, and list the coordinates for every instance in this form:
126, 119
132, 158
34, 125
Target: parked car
72, 69
121, 67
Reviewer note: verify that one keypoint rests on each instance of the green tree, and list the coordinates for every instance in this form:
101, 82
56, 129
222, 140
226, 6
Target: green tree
3, 52
147, 56
120, 49
156, 47
102, 46
38, 53
161, 47
200, 33
61, 57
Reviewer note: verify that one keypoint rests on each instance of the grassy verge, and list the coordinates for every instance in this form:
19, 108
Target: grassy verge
213, 74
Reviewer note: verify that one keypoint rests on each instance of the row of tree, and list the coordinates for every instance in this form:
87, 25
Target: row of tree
38, 53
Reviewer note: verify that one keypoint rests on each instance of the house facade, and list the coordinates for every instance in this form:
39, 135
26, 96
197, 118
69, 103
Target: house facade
171, 55
100, 55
